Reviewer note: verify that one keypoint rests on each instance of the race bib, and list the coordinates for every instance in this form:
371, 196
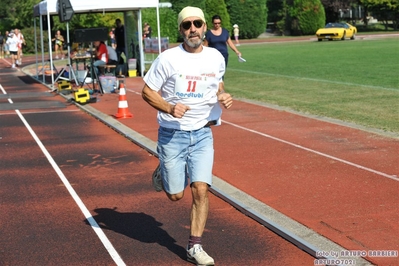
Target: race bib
191, 86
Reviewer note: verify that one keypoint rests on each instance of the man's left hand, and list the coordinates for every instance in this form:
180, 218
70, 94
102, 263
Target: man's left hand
225, 99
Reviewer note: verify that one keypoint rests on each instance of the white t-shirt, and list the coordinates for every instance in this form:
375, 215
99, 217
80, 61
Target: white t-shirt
191, 79
13, 43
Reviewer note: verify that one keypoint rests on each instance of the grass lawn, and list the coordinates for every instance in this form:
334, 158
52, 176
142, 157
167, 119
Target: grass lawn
353, 81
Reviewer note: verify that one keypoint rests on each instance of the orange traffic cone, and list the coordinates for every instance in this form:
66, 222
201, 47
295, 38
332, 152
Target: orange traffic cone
123, 112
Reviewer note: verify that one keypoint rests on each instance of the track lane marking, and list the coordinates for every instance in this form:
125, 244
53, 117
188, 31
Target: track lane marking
94, 225
393, 177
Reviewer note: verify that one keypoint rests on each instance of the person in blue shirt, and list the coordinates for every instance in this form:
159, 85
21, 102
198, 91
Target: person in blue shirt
219, 38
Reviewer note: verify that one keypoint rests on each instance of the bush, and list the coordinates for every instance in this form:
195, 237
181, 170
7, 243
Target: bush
308, 16
29, 36
251, 17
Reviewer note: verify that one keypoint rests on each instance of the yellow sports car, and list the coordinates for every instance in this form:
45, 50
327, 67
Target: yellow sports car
336, 31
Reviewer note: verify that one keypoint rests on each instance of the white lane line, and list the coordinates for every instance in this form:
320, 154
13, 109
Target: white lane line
42, 112
107, 244
393, 177
316, 80
2, 89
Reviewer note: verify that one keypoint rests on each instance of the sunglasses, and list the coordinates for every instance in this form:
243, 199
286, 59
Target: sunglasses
187, 24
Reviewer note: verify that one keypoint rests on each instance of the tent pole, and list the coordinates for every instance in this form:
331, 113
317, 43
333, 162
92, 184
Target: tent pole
140, 30
159, 31
37, 59
42, 43
69, 47
72, 75
50, 50
34, 34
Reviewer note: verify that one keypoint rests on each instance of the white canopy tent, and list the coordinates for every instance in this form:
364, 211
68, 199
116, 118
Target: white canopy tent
50, 7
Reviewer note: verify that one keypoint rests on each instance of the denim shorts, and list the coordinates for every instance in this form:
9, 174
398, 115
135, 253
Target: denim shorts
185, 155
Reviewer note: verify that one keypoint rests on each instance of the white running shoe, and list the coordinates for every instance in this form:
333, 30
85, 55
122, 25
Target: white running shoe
13, 66
56, 57
157, 179
198, 256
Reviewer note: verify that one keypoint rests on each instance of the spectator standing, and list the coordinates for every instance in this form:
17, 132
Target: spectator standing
2, 42
236, 31
147, 30
112, 38
59, 43
185, 85
219, 38
120, 38
5, 47
13, 42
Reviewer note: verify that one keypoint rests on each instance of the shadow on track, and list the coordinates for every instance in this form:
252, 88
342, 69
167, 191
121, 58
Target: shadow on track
139, 226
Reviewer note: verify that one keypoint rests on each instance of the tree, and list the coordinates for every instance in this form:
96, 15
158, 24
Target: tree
250, 15
284, 19
16, 14
217, 7
178, 5
333, 7
308, 16
168, 22
384, 10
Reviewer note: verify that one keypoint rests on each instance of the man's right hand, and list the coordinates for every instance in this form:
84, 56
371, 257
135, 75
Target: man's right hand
179, 110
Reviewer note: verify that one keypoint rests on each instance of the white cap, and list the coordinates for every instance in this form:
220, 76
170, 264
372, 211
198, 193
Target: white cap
235, 26
190, 11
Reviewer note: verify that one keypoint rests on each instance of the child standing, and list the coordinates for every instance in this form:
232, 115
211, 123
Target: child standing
236, 34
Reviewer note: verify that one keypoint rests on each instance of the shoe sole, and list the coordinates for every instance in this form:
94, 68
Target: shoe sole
192, 260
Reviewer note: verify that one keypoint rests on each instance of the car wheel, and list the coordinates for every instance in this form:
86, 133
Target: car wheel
319, 40
353, 36
343, 36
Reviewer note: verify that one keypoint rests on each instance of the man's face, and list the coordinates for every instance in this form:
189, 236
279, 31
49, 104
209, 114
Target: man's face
193, 31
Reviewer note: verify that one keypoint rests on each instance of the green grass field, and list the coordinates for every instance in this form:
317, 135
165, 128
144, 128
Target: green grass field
353, 81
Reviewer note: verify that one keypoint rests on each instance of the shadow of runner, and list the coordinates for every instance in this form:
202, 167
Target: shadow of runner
139, 226
28, 80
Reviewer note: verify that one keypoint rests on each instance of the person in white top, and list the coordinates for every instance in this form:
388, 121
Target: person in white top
21, 42
185, 85
236, 34
12, 42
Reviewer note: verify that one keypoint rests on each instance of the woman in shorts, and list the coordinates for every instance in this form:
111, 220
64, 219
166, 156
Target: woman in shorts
13, 42
59, 42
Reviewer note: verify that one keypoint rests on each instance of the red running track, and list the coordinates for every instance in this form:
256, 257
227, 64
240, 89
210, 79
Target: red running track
339, 181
